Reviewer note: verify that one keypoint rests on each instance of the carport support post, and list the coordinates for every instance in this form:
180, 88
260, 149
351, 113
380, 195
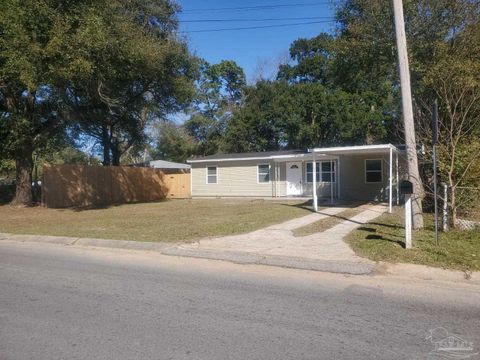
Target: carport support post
390, 190
314, 182
396, 177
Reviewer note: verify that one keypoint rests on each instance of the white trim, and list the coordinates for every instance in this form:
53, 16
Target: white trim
314, 182
287, 168
365, 171
390, 182
206, 174
396, 179
271, 157
269, 173
354, 148
338, 176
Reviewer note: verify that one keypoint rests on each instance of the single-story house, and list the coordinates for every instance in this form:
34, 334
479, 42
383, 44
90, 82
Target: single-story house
357, 173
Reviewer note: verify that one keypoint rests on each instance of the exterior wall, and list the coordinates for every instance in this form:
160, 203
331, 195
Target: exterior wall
234, 178
352, 178
239, 178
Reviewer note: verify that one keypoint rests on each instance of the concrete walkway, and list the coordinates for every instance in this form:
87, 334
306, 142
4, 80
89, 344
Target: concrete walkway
276, 244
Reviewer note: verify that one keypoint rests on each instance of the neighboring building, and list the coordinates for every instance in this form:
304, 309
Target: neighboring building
168, 165
369, 172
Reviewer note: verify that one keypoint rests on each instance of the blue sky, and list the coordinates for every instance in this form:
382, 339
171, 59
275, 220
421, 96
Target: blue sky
254, 49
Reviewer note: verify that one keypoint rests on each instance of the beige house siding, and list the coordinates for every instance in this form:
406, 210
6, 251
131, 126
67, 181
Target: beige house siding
240, 178
353, 185
234, 178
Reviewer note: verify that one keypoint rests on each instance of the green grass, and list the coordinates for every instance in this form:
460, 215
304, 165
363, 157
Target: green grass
383, 240
326, 223
169, 221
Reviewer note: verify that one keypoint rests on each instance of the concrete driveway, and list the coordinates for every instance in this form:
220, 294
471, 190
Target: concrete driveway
326, 248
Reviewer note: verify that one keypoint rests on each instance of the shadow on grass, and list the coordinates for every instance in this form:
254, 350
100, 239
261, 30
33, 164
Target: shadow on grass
109, 206
392, 226
308, 205
383, 238
376, 236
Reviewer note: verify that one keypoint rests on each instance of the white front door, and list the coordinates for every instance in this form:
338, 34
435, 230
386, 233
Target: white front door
294, 178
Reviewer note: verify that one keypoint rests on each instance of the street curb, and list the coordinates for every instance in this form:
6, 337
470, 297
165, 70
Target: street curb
341, 267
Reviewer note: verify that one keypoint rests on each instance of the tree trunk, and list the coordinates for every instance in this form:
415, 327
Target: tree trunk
453, 204
106, 146
115, 154
418, 192
23, 191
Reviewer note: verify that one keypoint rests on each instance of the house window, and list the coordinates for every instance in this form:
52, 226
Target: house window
373, 171
310, 172
328, 171
263, 173
212, 175
325, 171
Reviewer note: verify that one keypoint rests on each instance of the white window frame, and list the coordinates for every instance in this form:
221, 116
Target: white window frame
367, 171
269, 173
319, 169
333, 171
206, 174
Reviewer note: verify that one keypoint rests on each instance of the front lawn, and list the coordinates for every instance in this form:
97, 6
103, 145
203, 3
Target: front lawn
169, 221
383, 240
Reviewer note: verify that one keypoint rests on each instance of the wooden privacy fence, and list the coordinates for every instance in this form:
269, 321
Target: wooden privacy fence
81, 185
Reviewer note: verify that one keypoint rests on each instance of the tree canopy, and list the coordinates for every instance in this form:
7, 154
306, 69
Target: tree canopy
102, 69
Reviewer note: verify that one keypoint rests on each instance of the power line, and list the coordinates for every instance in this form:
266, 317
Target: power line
258, 27
257, 20
254, 8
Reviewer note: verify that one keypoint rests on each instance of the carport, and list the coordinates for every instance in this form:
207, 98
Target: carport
388, 151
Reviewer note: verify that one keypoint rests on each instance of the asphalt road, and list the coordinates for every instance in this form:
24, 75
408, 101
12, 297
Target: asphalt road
61, 302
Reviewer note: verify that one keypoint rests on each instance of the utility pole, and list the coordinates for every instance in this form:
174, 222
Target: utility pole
408, 124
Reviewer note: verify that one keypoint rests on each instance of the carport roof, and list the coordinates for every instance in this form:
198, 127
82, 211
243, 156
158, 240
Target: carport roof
357, 149
286, 154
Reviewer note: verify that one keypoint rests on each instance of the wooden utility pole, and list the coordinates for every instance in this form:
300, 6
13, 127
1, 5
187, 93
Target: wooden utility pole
408, 124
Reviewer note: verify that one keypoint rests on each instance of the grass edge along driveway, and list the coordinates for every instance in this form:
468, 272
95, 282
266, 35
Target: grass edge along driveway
166, 221
383, 240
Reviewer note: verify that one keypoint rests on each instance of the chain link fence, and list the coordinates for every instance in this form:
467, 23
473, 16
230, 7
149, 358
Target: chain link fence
467, 208
466, 211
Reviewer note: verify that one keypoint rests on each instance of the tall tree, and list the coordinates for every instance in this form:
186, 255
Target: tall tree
455, 81
115, 63
219, 94
172, 142
276, 115
143, 72
31, 67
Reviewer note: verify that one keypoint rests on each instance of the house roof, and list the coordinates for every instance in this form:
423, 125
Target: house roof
163, 164
285, 154
247, 156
